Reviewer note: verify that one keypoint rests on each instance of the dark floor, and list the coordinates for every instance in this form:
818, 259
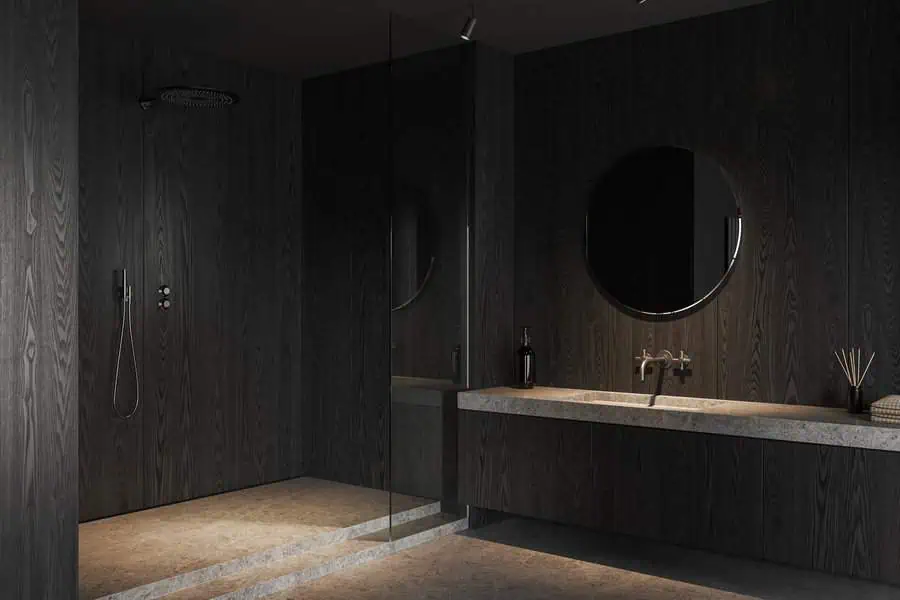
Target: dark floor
526, 560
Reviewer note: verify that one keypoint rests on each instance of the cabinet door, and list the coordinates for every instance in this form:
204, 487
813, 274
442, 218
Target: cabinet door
526, 466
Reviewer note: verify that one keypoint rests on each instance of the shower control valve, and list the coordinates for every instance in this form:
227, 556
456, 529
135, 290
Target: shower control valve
165, 302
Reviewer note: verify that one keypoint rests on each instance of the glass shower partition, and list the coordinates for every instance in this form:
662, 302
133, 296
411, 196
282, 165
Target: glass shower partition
431, 125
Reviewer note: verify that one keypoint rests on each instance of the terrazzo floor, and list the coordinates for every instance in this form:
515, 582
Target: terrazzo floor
127, 551
530, 560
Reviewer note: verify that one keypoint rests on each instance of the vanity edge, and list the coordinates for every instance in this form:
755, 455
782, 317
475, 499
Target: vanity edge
790, 423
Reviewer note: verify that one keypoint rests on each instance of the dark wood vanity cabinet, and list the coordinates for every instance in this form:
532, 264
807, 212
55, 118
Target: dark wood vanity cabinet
820, 507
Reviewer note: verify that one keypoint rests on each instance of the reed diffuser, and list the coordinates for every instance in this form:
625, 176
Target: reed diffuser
851, 362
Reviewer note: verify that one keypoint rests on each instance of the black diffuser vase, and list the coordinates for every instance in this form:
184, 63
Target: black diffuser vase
855, 400
855, 369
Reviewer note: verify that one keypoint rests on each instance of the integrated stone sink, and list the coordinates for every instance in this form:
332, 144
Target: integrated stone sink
651, 401
792, 423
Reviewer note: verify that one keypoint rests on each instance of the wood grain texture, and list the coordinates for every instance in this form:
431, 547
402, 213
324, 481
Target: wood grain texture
38, 299
429, 147
417, 450
731, 502
786, 309
371, 133
535, 467
874, 148
346, 312
800, 477
111, 231
492, 333
749, 89
207, 202
824, 508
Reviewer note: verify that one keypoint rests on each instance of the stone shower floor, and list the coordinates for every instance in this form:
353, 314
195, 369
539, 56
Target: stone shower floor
123, 552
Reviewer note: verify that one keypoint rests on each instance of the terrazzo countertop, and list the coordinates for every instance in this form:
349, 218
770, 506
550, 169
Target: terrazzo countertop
790, 423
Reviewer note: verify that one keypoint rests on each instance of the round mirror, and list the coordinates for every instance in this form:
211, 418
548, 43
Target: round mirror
412, 255
663, 232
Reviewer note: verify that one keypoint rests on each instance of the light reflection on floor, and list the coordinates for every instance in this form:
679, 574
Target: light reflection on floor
131, 550
529, 560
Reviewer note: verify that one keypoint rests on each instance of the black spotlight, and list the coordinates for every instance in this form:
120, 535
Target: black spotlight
468, 28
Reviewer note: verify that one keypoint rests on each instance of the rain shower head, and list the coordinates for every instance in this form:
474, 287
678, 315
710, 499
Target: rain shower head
191, 97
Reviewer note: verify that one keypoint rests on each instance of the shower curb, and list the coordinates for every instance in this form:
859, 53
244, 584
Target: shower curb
177, 583
291, 580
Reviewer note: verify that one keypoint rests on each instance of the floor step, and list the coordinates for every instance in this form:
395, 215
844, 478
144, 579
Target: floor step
303, 548
290, 572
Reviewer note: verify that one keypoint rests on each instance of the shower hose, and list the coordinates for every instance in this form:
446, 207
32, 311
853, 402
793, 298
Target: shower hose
127, 296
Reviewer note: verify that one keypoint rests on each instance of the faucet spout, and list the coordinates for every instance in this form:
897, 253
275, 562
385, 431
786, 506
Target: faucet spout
644, 362
664, 358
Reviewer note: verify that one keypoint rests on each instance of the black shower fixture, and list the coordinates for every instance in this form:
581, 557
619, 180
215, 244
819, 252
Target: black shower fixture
191, 97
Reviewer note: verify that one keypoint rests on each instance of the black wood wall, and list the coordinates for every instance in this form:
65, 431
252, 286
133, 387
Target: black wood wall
208, 202
38, 302
442, 123
346, 312
492, 220
796, 99
874, 247
431, 131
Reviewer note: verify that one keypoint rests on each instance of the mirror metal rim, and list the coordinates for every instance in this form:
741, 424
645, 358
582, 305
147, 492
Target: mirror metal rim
670, 315
418, 291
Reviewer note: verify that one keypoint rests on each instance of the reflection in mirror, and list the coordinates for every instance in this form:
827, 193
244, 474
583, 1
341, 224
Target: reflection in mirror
412, 250
663, 232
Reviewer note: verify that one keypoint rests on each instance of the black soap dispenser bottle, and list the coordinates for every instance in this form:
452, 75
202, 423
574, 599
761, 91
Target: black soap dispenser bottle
525, 367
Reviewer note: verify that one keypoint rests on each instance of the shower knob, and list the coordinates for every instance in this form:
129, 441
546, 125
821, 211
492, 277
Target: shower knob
164, 304
165, 290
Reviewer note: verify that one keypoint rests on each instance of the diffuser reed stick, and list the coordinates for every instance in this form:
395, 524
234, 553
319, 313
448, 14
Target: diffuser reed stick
851, 362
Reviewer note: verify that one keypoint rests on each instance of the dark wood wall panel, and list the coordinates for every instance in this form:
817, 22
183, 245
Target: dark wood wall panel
752, 89
111, 237
207, 202
413, 122
787, 308
816, 507
875, 183
346, 311
430, 118
38, 299
492, 334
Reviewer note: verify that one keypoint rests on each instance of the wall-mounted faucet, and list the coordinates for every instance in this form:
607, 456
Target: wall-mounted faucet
665, 359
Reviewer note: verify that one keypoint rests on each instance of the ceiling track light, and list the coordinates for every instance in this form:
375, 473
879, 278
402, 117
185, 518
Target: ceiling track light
468, 29
469, 26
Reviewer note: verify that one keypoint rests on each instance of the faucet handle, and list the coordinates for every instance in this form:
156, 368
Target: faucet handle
644, 355
683, 361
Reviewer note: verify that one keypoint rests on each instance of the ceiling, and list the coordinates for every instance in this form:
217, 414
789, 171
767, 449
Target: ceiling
312, 37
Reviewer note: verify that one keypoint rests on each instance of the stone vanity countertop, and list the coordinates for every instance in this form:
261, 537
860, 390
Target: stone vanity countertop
790, 423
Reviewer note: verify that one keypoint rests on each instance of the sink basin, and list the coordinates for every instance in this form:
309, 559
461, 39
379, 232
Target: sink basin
650, 401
